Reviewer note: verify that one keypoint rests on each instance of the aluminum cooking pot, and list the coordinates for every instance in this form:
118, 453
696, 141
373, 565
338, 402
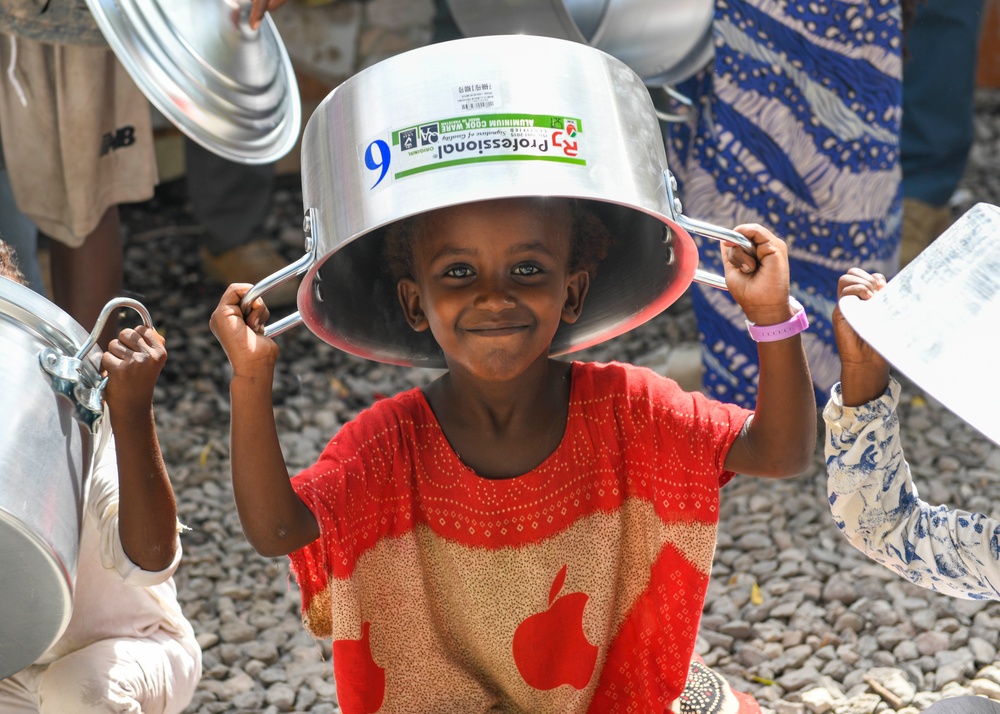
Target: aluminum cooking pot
472, 120
664, 41
50, 423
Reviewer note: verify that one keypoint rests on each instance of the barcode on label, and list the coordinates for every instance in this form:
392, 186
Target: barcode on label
478, 105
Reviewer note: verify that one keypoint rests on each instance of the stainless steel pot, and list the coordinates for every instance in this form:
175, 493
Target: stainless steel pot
664, 41
50, 422
472, 120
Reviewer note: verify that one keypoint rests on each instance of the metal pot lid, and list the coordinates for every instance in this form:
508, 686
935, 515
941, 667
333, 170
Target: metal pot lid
229, 88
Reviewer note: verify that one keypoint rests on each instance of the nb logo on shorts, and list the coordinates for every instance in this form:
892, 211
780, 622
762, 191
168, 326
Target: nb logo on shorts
125, 136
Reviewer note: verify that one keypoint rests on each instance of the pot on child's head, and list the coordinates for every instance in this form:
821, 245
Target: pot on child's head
476, 120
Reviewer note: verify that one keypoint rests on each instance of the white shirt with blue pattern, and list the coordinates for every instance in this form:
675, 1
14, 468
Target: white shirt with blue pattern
875, 504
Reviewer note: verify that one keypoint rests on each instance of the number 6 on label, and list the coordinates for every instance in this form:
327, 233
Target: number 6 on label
377, 157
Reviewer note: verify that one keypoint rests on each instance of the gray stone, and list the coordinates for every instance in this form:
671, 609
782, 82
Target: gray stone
281, 696
795, 679
818, 700
930, 643
892, 685
237, 632
985, 688
738, 629
840, 588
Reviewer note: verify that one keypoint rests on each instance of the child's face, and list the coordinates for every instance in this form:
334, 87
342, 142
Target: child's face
492, 283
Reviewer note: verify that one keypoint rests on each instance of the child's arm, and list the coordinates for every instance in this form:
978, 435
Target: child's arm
147, 512
864, 373
872, 496
780, 438
275, 520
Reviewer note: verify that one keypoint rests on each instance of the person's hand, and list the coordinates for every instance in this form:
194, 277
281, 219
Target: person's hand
864, 373
242, 336
133, 362
259, 8
852, 348
759, 283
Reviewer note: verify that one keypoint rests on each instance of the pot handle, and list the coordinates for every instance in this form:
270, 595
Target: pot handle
682, 99
709, 230
66, 373
299, 267
102, 320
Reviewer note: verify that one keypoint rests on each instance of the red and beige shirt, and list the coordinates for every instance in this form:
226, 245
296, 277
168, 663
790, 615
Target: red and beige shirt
575, 587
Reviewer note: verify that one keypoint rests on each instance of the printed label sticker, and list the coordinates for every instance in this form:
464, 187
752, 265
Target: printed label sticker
478, 96
473, 139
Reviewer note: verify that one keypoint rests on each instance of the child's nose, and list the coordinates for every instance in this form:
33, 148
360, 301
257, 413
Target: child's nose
494, 294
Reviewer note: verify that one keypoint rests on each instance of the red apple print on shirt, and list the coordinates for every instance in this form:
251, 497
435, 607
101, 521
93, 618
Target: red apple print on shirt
360, 682
550, 647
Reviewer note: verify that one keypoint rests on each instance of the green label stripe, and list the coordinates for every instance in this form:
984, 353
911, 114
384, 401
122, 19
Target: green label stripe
478, 122
483, 159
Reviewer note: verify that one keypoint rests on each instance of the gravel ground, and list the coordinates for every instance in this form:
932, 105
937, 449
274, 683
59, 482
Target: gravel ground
794, 614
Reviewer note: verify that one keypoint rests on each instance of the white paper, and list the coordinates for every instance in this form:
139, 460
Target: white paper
938, 320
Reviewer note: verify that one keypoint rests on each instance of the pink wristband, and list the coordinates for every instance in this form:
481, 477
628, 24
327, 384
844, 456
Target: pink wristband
792, 326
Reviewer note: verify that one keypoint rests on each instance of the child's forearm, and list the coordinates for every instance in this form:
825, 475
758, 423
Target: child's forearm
863, 383
782, 435
274, 519
147, 511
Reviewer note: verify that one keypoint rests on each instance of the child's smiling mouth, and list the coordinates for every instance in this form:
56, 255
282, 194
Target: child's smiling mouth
500, 329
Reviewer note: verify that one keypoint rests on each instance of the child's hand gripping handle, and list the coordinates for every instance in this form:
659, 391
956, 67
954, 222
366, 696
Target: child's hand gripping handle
299, 267
72, 377
693, 225
720, 234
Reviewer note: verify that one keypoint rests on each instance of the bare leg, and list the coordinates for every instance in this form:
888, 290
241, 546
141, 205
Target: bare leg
84, 279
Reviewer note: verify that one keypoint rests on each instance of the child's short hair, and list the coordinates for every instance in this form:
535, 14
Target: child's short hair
8, 264
590, 238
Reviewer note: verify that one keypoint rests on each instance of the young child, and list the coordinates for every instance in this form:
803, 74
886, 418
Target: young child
524, 534
873, 498
128, 646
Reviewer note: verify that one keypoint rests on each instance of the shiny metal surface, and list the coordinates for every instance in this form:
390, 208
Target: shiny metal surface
937, 320
664, 41
45, 461
406, 136
230, 88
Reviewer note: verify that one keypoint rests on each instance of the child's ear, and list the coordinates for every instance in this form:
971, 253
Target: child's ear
409, 298
576, 291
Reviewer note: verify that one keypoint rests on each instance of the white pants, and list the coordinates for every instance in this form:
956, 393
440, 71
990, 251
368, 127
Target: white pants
153, 676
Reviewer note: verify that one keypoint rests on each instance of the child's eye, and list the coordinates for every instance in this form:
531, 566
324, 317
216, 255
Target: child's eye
526, 269
458, 271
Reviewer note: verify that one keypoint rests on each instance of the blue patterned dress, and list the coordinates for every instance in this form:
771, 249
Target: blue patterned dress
797, 128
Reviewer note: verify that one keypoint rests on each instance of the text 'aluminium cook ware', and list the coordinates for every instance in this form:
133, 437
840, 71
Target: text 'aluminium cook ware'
229, 88
50, 425
473, 120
